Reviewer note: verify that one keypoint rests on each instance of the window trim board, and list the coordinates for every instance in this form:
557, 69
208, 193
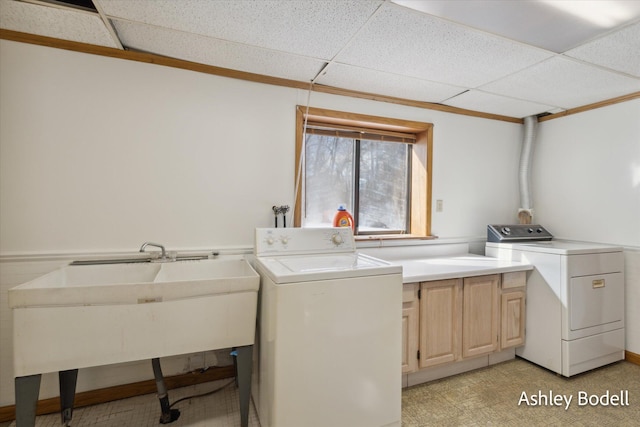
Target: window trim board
422, 161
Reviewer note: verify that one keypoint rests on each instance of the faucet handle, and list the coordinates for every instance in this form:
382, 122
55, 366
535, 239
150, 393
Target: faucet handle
157, 245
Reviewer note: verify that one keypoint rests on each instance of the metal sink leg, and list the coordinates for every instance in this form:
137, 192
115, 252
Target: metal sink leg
27, 391
68, 380
244, 368
168, 415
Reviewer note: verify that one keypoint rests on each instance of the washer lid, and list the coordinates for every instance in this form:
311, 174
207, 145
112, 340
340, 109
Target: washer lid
305, 268
561, 247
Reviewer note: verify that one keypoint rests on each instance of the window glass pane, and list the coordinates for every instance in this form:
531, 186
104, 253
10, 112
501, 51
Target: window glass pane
328, 178
383, 187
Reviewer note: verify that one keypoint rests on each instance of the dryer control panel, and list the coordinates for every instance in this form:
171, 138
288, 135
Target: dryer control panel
291, 241
517, 233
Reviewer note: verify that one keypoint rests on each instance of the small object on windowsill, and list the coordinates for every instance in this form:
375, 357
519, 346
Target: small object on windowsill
343, 218
276, 211
284, 209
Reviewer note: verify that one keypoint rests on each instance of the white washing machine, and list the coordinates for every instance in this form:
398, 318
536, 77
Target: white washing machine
575, 298
329, 331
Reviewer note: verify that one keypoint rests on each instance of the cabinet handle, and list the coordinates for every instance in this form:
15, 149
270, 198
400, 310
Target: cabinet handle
598, 283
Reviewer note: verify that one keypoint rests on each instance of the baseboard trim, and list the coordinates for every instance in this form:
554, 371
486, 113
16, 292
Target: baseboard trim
93, 397
632, 357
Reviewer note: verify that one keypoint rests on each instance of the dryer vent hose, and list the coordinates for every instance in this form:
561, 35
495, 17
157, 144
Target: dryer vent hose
525, 213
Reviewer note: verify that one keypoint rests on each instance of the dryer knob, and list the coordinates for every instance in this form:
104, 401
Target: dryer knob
337, 239
284, 240
270, 241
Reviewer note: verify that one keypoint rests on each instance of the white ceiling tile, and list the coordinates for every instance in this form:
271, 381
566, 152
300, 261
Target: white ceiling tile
382, 83
619, 51
549, 24
375, 46
564, 83
312, 28
497, 104
403, 41
65, 24
220, 53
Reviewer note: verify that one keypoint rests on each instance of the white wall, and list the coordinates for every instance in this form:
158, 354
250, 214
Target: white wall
586, 186
104, 154
98, 155
586, 175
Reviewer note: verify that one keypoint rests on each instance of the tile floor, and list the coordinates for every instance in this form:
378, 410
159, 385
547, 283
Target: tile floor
487, 396
217, 410
490, 396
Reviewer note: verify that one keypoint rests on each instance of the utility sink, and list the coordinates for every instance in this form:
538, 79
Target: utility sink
93, 315
134, 283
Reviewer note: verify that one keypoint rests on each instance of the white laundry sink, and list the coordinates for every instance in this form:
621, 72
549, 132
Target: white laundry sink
92, 315
134, 283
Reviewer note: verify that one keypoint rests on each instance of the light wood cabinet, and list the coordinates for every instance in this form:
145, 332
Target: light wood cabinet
480, 317
445, 321
440, 327
512, 318
410, 327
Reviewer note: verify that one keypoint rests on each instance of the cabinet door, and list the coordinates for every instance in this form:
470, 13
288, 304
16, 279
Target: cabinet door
440, 328
409, 327
480, 315
512, 319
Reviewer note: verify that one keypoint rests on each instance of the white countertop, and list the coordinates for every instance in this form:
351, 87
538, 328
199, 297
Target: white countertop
451, 267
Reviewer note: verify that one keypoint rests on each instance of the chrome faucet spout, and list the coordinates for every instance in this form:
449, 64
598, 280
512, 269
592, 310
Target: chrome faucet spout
157, 245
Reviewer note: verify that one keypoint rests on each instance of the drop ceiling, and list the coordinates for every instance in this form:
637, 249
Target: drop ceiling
510, 58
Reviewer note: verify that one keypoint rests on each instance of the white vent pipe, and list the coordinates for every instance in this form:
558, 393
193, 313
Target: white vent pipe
525, 213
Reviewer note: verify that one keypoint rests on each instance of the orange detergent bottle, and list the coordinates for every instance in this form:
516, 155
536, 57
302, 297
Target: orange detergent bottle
343, 218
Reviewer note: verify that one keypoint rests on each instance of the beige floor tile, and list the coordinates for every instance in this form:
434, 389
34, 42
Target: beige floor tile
485, 397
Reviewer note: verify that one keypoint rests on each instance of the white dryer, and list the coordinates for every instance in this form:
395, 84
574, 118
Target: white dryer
575, 298
329, 331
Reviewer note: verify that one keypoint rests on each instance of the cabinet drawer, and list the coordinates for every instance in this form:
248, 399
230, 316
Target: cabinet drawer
409, 292
516, 279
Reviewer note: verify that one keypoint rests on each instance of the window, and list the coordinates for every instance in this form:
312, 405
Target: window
377, 167
370, 178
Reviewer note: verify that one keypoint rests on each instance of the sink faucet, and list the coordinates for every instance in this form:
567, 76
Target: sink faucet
144, 245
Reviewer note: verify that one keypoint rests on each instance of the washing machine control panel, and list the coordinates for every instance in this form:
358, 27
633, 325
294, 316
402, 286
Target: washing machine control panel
283, 241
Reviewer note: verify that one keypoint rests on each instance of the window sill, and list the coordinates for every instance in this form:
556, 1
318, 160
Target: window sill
374, 237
